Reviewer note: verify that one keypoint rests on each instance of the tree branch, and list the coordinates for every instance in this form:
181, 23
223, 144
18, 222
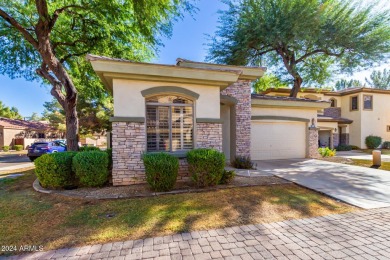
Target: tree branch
57, 86
70, 55
319, 51
20, 28
58, 11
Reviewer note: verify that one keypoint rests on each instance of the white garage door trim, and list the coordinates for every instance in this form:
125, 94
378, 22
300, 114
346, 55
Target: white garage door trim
278, 139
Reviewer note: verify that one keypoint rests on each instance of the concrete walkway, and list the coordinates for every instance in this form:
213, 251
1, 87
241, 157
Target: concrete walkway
359, 235
363, 187
355, 154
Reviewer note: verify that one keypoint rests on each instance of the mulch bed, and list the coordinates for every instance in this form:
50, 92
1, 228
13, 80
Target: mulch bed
143, 190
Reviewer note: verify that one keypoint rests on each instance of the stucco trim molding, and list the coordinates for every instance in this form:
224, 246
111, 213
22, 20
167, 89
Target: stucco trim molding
228, 100
209, 120
169, 89
283, 118
127, 119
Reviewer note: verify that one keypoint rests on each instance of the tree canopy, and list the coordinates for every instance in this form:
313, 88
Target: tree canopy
305, 41
380, 80
8, 112
48, 39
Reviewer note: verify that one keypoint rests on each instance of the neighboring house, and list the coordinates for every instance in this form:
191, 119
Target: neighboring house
176, 108
354, 114
22, 132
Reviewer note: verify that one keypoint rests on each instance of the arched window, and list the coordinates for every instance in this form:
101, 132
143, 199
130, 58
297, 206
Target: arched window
169, 123
333, 102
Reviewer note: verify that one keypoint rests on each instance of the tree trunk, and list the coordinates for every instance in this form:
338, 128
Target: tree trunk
72, 127
297, 86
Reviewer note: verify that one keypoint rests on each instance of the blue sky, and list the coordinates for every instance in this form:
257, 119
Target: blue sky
188, 41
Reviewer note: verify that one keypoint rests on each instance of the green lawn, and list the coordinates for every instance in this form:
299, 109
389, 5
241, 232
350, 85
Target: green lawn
368, 163
31, 218
369, 151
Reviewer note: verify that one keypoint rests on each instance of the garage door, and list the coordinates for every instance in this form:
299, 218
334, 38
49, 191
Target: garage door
278, 140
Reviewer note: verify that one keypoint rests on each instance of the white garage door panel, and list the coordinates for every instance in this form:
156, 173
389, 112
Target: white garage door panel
278, 140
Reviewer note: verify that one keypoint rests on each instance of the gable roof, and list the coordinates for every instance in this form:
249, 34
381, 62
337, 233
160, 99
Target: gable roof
22, 124
328, 92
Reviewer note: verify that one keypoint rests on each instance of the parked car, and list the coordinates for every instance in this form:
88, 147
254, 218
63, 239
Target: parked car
39, 148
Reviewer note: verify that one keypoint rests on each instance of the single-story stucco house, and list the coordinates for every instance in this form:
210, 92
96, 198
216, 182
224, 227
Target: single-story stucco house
175, 108
355, 113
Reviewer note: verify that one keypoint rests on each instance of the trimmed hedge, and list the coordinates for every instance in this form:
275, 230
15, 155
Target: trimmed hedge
161, 170
91, 168
344, 147
55, 170
227, 177
372, 142
242, 162
6, 148
386, 145
88, 148
206, 166
18, 147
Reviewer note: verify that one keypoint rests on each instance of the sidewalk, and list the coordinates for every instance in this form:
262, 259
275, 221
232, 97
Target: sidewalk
360, 235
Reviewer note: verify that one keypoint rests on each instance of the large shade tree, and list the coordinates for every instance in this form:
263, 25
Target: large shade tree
9, 112
49, 39
379, 79
305, 40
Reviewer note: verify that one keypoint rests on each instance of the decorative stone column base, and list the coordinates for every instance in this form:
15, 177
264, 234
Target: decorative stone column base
344, 139
336, 140
313, 143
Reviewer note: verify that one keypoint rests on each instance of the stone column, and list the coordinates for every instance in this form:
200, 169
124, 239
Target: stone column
241, 90
209, 135
128, 145
313, 143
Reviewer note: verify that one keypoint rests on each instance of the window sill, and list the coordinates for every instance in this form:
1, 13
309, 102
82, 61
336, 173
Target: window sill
175, 154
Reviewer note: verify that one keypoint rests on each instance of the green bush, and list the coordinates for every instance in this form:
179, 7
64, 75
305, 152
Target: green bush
18, 147
6, 148
242, 162
327, 152
88, 148
109, 153
91, 168
354, 147
227, 177
373, 142
206, 166
161, 170
55, 170
386, 145
344, 147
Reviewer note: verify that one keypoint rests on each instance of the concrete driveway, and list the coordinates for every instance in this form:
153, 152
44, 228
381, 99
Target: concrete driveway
14, 162
363, 187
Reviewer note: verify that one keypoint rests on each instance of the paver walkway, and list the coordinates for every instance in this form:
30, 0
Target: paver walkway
360, 186
360, 235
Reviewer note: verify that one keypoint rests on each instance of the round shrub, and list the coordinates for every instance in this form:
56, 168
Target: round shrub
161, 170
206, 166
18, 147
91, 168
242, 162
55, 170
386, 145
344, 147
227, 177
88, 148
373, 142
6, 148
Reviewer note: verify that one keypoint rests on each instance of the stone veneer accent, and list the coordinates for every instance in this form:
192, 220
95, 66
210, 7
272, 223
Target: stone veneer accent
241, 90
334, 112
336, 140
313, 143
209, 135
128, 144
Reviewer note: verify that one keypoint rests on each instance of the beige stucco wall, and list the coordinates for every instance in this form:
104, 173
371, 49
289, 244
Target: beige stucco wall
289, 112
129, 102
9, 135
328, 125
356, 126
1, 138
375, 121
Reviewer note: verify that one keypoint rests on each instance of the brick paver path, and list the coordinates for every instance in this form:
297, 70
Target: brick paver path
360, 235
